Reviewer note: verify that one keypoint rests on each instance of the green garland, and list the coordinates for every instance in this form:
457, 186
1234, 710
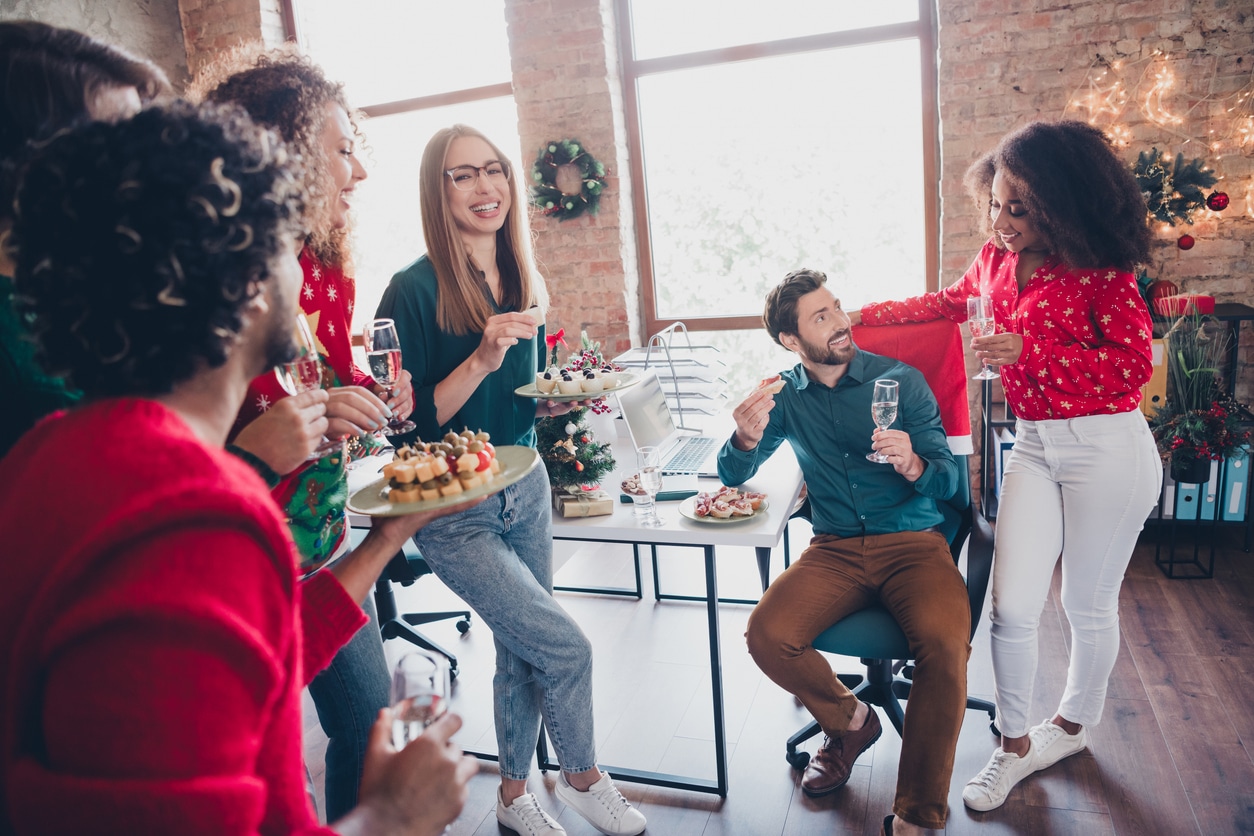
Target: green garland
548, 198
1172, 192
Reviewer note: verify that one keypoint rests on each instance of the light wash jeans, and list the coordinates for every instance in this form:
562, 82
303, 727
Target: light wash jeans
348, 696
1080, 488
498, 557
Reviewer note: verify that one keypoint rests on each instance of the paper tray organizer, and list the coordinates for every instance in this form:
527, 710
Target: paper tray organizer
691, 375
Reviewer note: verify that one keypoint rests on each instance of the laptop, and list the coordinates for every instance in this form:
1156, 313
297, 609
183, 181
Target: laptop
651, 424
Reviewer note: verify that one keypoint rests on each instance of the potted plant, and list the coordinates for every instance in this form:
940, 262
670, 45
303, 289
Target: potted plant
1199, 422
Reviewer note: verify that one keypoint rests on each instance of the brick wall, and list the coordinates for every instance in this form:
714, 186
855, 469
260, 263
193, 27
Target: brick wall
212, 26
567, 85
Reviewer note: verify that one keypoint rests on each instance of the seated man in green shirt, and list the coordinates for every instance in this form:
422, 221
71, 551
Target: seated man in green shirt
874, 541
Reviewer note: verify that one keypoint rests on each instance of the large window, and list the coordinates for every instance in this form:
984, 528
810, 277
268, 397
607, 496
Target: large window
772, 136
404, 63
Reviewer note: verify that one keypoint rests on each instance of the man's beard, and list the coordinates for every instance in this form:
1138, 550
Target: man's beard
824, 355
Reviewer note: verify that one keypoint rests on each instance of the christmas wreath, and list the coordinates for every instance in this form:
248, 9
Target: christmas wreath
545, 193
1173, 192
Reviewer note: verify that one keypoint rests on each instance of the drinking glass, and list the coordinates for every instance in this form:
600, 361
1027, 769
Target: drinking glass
980, 316
650, 460
383, 353
883, 412
304, 374
420, 692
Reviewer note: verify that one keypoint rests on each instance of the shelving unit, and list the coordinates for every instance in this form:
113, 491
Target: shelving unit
691, 375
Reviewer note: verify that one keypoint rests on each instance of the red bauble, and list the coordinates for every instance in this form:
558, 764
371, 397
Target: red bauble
1217, 202
579, 467
1160, 288
1186, 242
584, 439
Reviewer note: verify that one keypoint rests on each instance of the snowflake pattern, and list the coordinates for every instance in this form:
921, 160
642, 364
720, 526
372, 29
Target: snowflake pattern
263, 403
331, 294
308, 292
1075, 360
331, 328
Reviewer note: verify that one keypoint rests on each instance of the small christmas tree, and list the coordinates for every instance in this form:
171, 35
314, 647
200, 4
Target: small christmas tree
571, 454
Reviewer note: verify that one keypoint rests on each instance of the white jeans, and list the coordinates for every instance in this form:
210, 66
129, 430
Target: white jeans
1080, 488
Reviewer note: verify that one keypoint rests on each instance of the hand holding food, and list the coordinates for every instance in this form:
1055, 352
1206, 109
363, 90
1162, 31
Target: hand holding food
753, 414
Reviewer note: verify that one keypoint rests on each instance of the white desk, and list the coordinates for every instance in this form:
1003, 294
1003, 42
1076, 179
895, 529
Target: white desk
780, 479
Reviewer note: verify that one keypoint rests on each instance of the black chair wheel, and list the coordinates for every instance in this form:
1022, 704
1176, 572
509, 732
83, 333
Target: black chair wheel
798, 760
463, 625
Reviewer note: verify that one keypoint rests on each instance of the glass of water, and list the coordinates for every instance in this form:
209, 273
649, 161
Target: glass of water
883, 412
420, 692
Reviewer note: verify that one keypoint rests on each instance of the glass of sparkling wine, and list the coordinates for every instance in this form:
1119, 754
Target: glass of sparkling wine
980, 317
304, 374
883, 412
383, 353
650, 460
420, 692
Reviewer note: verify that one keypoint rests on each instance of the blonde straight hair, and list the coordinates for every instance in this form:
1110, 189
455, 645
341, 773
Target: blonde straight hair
463, 308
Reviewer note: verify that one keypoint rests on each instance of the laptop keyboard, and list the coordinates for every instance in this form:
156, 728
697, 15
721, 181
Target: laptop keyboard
691, 455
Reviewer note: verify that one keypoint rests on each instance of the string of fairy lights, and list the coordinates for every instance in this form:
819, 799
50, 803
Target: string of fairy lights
1122, 97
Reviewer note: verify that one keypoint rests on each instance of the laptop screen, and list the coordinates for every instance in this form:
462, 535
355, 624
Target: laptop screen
646, 412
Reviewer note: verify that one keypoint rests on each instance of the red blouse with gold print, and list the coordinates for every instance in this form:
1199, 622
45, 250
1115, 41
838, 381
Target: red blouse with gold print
1086, 333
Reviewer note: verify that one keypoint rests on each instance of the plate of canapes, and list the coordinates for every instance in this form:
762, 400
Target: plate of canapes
426, 476
726, 505
561, 386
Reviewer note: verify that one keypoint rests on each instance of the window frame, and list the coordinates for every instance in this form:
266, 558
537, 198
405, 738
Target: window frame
924, 29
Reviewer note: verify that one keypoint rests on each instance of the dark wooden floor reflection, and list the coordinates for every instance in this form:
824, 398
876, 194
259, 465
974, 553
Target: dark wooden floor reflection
1172, 755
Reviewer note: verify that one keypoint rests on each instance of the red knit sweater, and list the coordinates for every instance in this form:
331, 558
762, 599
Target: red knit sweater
151, 630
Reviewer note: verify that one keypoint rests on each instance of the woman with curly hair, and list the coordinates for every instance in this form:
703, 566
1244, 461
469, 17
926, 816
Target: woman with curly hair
287, 92
154, 637
1072, 342
468, 336
50, 79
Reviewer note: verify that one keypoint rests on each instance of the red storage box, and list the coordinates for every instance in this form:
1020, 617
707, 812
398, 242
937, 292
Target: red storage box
1184, 303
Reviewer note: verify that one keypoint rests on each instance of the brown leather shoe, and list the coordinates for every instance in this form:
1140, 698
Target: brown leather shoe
829, 769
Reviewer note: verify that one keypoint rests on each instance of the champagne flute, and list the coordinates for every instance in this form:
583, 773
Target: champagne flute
383, 353
304, 374
650, 460
980, 316
883, 412
420, 692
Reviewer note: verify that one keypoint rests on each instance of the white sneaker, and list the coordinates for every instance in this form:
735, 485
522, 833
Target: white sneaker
603, 806
988, 790
526, 817
1052, 743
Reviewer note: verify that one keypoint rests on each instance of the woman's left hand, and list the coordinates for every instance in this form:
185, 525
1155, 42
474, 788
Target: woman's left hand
402, 400
549, 409
999, 349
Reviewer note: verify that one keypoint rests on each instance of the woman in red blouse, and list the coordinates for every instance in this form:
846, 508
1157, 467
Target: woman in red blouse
1072, 343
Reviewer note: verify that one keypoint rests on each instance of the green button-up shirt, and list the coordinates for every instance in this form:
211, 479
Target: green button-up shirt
830, 432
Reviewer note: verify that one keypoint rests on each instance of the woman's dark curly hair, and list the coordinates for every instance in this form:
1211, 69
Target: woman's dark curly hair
139, 245
1082, 199
48, 79
287, 92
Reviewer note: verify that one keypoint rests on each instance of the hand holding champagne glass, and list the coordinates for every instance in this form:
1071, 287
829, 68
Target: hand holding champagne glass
980, 317
883, 412
304, 374
383, 353
420, 692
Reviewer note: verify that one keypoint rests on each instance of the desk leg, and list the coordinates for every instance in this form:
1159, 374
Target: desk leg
716, 672
764, 564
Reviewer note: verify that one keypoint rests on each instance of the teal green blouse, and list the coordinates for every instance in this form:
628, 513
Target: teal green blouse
431, 354
30, 393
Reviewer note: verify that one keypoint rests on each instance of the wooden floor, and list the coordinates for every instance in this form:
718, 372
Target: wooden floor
1171, 756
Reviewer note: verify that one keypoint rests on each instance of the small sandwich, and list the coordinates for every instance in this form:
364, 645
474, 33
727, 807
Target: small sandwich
772, 385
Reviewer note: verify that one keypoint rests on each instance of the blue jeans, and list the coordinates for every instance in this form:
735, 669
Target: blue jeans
498, 557
348, 696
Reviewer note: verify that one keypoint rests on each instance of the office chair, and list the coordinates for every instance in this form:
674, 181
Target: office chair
874, 637
406, 567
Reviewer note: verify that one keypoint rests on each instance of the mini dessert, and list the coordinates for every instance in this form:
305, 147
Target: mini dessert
773, 387
568, 385
591, 383
609, 377
425, 471
728, 502
546, 381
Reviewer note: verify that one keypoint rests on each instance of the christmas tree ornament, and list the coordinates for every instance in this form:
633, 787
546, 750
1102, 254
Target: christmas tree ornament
1185, 242
578, 467
1217, 201
570, 429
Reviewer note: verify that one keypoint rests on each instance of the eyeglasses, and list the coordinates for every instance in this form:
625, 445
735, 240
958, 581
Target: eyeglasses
466, 177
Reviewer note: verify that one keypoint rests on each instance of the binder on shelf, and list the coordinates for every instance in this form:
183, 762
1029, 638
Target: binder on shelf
1169, 495
1188, 498
1154, 392
1236, 488
1209, 493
